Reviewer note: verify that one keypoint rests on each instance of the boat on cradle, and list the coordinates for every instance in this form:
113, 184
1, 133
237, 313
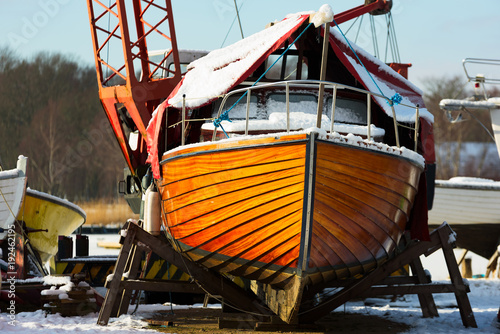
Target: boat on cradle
471, 205
309, 176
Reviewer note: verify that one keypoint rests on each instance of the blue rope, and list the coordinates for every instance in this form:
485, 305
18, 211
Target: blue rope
397, 98
225, 115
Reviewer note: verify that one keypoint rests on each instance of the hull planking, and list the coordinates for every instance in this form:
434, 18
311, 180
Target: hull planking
275, 208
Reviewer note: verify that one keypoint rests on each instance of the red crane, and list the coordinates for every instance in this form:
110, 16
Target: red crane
130, 101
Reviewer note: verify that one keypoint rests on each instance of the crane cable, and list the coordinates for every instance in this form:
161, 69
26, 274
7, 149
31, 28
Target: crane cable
237, 16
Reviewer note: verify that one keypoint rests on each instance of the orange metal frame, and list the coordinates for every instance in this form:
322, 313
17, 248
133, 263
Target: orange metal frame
369, 7
137, 98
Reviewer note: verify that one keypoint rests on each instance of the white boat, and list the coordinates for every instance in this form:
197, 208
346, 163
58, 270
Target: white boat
12, 190
33, 220
471, 205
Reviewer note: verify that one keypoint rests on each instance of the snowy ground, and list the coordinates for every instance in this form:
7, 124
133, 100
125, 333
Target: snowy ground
484, 298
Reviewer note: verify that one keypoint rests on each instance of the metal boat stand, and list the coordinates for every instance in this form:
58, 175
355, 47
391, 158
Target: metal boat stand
377, 282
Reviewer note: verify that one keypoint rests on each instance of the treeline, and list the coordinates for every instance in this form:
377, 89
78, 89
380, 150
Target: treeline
50, 112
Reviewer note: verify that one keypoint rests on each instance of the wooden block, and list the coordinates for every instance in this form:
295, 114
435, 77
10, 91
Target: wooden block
160, 323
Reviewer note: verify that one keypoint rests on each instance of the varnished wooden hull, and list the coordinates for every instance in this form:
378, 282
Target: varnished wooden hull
274, 208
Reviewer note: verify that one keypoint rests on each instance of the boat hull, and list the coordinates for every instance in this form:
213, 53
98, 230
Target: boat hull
12, 189
40, 212
472, 210
273, 208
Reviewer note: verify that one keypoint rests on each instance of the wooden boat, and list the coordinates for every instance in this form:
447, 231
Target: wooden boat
299, 193
12, 189
470, 206
270, 208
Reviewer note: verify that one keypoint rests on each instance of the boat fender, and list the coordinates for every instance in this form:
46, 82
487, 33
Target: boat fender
152, 211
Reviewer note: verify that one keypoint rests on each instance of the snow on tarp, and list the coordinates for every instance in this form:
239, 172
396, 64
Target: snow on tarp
218, 72
222, 69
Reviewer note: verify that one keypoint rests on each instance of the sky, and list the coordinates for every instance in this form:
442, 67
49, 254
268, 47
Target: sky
435, 36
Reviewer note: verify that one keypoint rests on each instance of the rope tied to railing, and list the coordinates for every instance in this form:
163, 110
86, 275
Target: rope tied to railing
223, 117
395, 100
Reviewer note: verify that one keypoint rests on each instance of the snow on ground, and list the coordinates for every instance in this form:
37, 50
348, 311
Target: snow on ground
484, 298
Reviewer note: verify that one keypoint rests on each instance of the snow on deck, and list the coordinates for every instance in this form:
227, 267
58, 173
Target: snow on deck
470, 182
349, 139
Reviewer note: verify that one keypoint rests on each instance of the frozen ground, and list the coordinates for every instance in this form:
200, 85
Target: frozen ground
484, 298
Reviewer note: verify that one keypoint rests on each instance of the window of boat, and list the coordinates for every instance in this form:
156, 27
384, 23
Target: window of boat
306, 103
290, 68
171, 70
347, 110
157, 58
239, 111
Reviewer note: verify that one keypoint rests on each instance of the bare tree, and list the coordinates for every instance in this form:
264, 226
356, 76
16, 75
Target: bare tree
51, 113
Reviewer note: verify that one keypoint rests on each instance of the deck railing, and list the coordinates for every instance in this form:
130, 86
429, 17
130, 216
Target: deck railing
312, 84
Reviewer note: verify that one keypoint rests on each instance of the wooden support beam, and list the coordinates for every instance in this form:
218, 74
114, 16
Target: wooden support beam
133, 272
160, 285
467, 268
207, 280
439, 239
427, 304
466, 313
389, 280
114, 285
491, 267
211, 282
409, 289
462, 256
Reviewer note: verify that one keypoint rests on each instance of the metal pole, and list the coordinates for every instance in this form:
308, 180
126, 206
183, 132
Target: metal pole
322, 76
369, 115
395, 125
239, 21
248, 112
334, 102
287, 107
417, 124
183, 119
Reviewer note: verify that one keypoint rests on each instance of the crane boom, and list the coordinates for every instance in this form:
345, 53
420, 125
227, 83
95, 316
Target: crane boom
129, 101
